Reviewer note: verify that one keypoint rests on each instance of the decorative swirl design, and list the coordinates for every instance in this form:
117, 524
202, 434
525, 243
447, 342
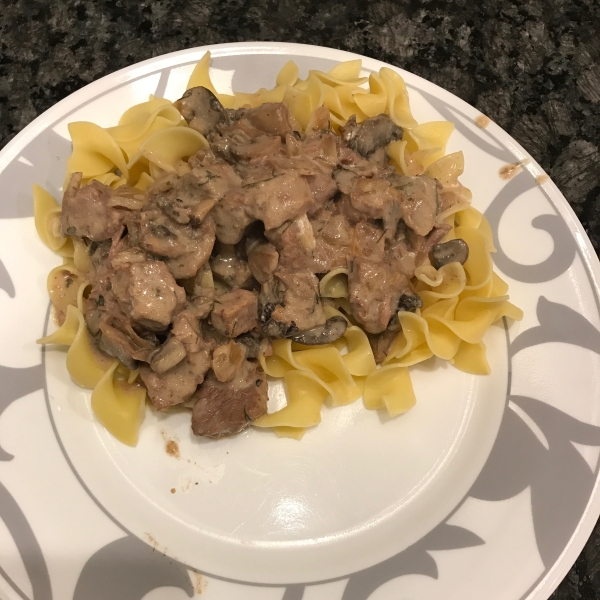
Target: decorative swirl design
6, 282
557, 323
564, 250
559, 478
27, 544
415, 560
16, 384
128, 569
16, 198
294, 592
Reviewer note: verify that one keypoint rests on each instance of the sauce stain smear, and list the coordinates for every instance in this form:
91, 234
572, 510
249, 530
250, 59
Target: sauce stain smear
199, 584
482, 121
172, 448
541, 179
509, 171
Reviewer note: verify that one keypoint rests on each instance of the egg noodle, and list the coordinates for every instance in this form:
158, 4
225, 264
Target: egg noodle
460, 302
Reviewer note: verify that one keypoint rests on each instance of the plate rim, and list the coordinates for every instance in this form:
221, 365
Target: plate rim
123, 76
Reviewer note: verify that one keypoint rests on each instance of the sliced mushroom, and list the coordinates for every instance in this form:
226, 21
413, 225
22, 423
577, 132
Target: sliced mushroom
333, 329
273, 328
251, 341
370, 135
381, 343
409, 302
115, 343
453, 251
227, 359
230, 267
124, 343
201, 109
170, 354
263, 260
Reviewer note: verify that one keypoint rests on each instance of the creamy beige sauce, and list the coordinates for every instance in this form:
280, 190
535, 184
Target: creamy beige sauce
482, 121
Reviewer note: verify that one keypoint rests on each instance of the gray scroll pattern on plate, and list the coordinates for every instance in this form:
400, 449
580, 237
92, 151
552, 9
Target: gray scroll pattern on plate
129, 569
560, 479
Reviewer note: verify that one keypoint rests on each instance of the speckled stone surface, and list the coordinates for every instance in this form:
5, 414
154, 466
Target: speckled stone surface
531, 66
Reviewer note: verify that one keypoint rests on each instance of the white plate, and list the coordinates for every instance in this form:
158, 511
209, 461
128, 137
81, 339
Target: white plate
486, 489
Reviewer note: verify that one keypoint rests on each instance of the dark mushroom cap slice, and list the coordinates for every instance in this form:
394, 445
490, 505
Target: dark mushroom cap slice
333, 329
201, 109
453, 251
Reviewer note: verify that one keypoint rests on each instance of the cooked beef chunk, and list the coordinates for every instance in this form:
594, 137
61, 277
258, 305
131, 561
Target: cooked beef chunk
128, 197
321, 147
178, 197
368, 241
295, 242
190, 197
371, 135
125, 258
263, 260
272, 118
323, 188
87, 211
189, 264
344, 180
231, 216
320, 120
290, 302
229, 265
254, 172
353, 162
377, 198
148, 293
186, 330
235, 313
280, 199
260, 147
374, 290
179, 383
223, 408
164, 237
419, 201
333, 240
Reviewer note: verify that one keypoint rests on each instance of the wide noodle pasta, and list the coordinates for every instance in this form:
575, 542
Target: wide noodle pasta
459, 302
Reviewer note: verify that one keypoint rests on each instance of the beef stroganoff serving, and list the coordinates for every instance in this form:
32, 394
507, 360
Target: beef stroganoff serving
313, 232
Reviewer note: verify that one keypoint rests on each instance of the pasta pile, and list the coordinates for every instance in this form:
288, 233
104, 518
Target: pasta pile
459, 302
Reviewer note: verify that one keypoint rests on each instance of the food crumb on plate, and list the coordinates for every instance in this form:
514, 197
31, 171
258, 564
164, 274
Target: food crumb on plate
172, 448
482, 121
199, 583
541, 179
150, 539
510, 170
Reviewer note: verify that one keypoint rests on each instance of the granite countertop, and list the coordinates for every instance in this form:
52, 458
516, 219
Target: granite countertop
531, 66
